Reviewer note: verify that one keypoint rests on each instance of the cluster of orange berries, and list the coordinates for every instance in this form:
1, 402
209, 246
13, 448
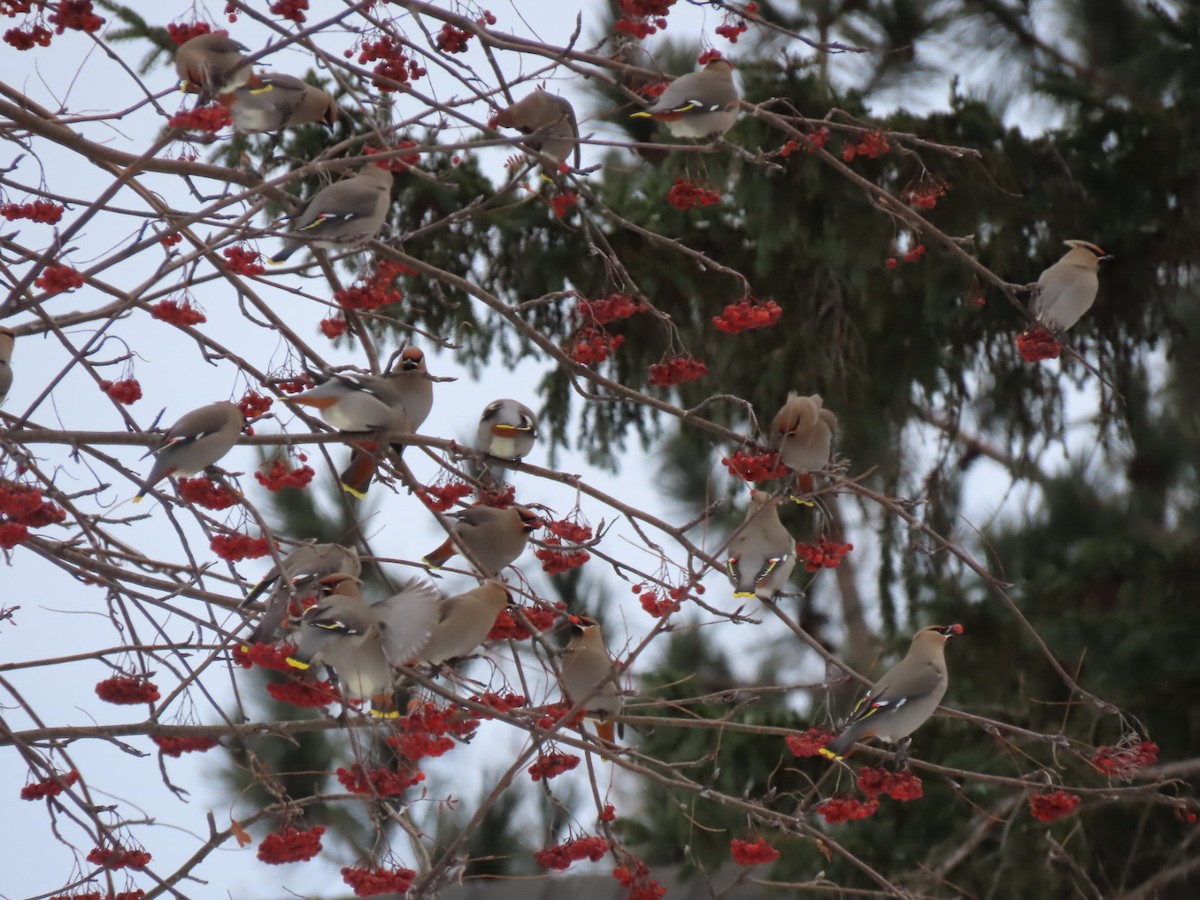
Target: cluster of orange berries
206, 493
746, 853
590, 346
684, 195
372, 882
505, 702
825, 554
563, 202
211, 118
551, 765
507, 628
35, 36
560, 856
394, 65
638, 882
254, 404
677, 370
1052, 806
76, 15
452, 40
38, 211
170, 240
58, 278
498, 498
642, 18
733, 30
397, 164
23, 504
912, 256
243, 261
236, 547
609, 309
846, 809
555, 561
266, 656
872, 145
382, 782
925, 196
307, 694
1124, 762
747, 314
178, 313
817, 140
752, 467
441, 497
903, 785
177, 746
49, 787
125, 391
333, 326
1038, 344
181, 34
118, 858
289, 9
290, 845
377, 290
124, 690
281, 476
809, 743
554, 715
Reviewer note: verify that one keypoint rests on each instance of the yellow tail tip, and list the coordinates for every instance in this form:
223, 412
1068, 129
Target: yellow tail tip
297, 664
742, 595
829, 754
361, 495
427, 564
641, 115
139, 498
384, 713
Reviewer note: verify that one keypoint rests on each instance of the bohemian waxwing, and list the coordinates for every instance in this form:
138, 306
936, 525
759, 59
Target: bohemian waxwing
212, 64
195, 442
7, 338
300, 576
904, 698
802, 433
361, 642
587, 671
762, 554
279, 101
548, 120
494, 537
507, 430
700, 104
464, 622
395, 403
347, 213
1068, 288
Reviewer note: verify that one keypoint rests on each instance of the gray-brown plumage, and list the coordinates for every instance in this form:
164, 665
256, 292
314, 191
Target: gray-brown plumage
279, 101
195, 442
494, 537
549, 122
211, 64
587, 671
762, 554
464, 622
802, 433
347, 213
904, 698
7, 339
1068, 288
300, 576
700, 104
507, 430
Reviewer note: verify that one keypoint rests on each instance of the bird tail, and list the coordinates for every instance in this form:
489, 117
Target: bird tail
836, 749
606, 730
288, 249
438, 558
356, 478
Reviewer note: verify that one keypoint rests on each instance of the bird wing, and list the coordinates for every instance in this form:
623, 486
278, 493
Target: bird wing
888, 696
408, 619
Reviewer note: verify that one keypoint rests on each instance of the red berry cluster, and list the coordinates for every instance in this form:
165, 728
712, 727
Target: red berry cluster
206, 493
426, 731
76, 15
1052, 806
126, 391
570, 531
486, 19
872, 145
38, 211
211, 118
926, 194
903, 785
254, 404
608, 813
170, 240
281, 476
266, 656
499, 498
58, 278
441, 497
708, 56
677, 370
642, 18
1183, 814
118, 858
551, 765
452, 40
638, 882
333, 326
49, 787
507, 628
608, 309
236, 547
397, 164
308, 694
560, 856
177, 746
290, 845
394, 65
751, 467
654, 90
734, 25
23, 504
846, 809
825, 554
181, 34
382, 782
1124, 761
290, 9
1038, 344
296, 384
746, 853
590, 346
178, 313
554, 715
747, 314
684, 195
656, 606
125, 691
375, 291
12, 534
506, 702
912, 256
809, 743
563, 202
372, 882
36, 36
243, 261
555, 561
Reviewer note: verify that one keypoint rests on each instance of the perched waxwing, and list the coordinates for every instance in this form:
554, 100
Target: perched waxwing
211, 64
904, 698
7, 338
361, 642
700, 104
279, 101
1068, 288
299, 576
195, 442
762, 554
507, 430
464, 622
346, 213
494, 537
587, 671
395, 403
802, 433
548, 120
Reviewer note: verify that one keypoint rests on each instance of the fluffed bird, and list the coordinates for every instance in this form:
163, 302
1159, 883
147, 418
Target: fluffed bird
347, 213
494, 537
7, 339
701, 104
195, 442
904, 698
464, 622
299, 576
507, 430
587, 671
802, 433
279, 101
362, 642
549, 121
395, 403
212, 64
762, 554
1068, 288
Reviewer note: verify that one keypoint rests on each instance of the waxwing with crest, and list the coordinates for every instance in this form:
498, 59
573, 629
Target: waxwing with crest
347, 213
211, 64
494, 537
588, 675
195, 442
1068, 288
762, 554
701, 104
